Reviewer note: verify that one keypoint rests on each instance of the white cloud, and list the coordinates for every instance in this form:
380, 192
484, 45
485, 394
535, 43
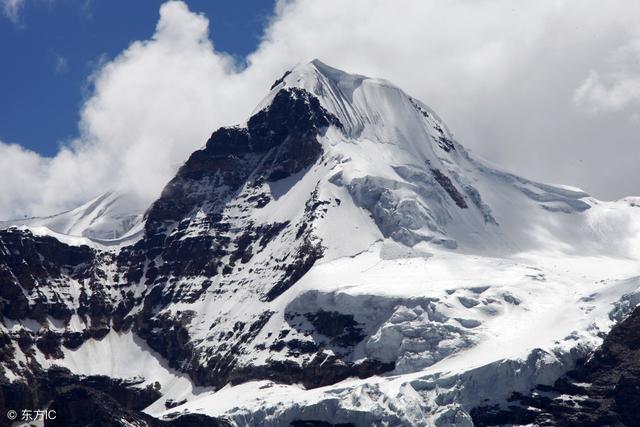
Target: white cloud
618, 88
12, 9
21, 168
502, 74
149, 109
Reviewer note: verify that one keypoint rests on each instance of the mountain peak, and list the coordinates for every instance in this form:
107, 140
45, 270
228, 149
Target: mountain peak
329, 73
342, 233
397, 160
316, 72
367, 107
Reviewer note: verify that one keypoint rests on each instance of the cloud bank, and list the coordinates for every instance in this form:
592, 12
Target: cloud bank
547, 89
618, 88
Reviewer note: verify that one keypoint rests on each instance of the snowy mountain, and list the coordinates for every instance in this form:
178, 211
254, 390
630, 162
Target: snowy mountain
338, 258
111, 216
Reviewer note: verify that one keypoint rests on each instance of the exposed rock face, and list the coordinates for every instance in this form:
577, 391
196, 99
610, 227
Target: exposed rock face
195, 238
200, 229
603, 390
81, 406
83, 401
29, 264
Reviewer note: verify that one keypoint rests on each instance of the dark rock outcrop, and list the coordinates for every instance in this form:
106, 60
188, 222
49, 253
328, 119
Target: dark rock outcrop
196, 234
447, 185
317, 423
603, 390
89, 401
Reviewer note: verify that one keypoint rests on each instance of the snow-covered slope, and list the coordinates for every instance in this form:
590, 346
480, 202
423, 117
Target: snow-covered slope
399, 162
339, 257
108, 217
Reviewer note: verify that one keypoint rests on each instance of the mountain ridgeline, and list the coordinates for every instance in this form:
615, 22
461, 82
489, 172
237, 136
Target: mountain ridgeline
338, 258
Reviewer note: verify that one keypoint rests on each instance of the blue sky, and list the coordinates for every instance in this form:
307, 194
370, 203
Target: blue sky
49, 52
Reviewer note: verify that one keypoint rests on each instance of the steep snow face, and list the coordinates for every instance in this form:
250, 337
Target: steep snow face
339, 257
108, 218
436, 265
398, 161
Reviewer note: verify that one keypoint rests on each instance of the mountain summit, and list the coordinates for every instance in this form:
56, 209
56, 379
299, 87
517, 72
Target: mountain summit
338, 258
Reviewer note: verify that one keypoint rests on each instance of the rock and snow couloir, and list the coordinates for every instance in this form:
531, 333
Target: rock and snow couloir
339, 257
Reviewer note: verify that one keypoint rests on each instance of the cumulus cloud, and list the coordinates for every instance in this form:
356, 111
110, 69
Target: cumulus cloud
19, 167
12, 9
618, 88
160, 99
502, 74
149, 108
